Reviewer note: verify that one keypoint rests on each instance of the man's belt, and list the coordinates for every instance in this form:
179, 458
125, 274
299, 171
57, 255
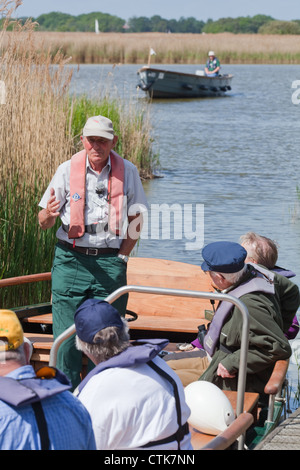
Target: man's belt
90, 251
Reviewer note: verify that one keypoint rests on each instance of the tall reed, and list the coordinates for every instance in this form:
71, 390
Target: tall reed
133, 48
40, 124
33, 123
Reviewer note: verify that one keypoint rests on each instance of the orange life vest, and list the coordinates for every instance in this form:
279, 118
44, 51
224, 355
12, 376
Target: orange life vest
77, 194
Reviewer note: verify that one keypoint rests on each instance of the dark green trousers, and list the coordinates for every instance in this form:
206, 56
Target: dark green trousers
75, 278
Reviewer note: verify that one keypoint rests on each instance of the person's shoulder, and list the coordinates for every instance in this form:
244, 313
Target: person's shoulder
131, 170
73, 409
283, 283
64, 165
63, 170
70, 403
129, 165
252, 297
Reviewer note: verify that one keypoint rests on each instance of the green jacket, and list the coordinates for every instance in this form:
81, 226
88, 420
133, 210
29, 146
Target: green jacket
288, 296
267, 343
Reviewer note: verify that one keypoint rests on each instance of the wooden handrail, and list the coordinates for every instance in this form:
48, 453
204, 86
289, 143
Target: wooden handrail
277, 378
14, 281
224, 440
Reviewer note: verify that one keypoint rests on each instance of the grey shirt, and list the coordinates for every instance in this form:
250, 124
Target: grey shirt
96, 207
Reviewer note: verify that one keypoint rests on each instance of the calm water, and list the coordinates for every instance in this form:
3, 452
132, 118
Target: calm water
238, 156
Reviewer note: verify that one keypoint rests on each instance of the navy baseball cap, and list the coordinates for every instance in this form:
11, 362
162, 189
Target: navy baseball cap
94, 315
223, 257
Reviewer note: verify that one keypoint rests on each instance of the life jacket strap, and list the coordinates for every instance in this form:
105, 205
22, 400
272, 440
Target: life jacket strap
177, 436
182, 429
92, 229
42, 425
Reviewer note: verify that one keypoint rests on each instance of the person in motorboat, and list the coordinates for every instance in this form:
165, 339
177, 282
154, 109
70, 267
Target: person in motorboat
37, 409
225, 263
262, 250
212, 67
134, 399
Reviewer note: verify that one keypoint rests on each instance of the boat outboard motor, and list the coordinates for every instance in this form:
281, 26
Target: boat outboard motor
211, 411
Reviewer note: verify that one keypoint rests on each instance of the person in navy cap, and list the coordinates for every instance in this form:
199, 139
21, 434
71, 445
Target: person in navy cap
223, 257
225, 263
134, 398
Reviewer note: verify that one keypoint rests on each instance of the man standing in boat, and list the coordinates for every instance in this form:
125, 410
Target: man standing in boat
213, 65
100, 200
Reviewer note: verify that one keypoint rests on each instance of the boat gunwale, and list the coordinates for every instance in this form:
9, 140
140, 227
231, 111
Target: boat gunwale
194, 75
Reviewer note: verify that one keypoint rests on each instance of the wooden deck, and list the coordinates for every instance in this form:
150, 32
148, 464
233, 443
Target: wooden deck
285, 437
167, 313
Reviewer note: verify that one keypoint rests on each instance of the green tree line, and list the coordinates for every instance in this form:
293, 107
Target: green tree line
261, 24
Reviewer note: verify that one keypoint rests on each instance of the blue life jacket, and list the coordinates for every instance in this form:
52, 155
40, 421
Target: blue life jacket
141, 351
32, 391
284, 272
24, 392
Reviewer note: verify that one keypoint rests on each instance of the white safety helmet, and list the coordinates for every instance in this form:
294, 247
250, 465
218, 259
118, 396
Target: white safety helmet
211, 411
211, 53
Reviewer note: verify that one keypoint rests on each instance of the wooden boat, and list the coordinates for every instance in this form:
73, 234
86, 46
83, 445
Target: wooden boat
173, 310
161, 83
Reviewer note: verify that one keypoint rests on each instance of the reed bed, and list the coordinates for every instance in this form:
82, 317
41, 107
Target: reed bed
40, 127
133, 48
33, 123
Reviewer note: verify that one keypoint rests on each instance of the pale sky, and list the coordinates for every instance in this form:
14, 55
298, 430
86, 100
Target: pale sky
168, 9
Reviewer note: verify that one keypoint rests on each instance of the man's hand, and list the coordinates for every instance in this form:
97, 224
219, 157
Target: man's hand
223, 372
47, 217
52, 205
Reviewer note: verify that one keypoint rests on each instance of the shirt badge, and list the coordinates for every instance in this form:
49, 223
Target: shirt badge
76, 197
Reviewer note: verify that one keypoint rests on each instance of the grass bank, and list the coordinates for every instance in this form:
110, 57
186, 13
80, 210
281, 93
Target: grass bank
133, 48
40, 126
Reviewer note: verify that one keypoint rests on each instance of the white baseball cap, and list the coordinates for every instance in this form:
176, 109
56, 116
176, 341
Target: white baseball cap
98, 126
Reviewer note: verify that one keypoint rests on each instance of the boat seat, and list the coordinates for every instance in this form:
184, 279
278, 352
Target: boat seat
167, 313
42, 344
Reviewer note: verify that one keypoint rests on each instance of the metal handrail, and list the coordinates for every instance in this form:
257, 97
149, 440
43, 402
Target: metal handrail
182, 293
